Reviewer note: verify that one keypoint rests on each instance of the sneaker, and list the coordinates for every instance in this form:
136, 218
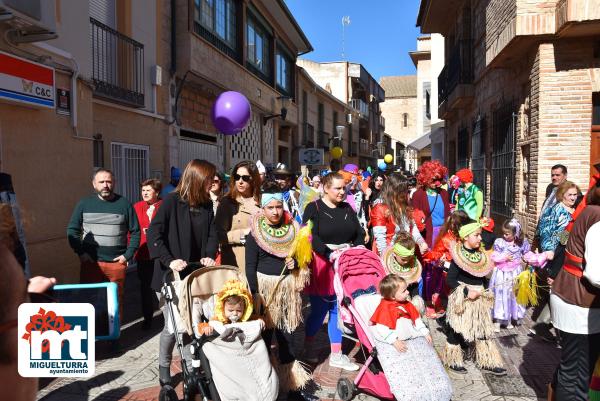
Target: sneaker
510, 326
458, 369
339, 360
495, 371
497, 327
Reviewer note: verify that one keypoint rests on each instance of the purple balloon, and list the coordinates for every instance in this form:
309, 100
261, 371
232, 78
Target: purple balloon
231, 113
351, 168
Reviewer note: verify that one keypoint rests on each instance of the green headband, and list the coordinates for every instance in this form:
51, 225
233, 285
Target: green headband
402, 251
468, 229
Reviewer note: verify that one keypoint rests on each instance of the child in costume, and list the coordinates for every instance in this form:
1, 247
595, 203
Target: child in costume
277, 255
507, 255
469, 304
233, 304
400, 259
404, 346
470, 196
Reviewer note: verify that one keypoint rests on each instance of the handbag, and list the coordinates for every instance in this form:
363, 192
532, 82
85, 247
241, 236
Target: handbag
175, 287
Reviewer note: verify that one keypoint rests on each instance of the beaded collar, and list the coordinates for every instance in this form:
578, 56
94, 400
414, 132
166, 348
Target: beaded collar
475, 263
276, 240
411, 274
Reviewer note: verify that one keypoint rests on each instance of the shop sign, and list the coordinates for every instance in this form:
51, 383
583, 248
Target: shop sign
24, 81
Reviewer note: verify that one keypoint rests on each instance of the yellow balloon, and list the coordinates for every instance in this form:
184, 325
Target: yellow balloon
388, 158
336, 152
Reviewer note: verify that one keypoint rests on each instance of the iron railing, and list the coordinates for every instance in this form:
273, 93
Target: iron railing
382, 121
323, 140
458, 70
462, 149
502, 193
361, 106
117, 65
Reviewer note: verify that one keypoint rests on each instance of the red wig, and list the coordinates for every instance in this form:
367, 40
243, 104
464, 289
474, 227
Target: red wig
465, 175
429, 171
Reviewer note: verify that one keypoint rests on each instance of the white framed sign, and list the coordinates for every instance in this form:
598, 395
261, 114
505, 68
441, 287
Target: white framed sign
311, 156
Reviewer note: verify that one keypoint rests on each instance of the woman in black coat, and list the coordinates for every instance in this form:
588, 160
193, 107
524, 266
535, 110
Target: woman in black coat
182, 231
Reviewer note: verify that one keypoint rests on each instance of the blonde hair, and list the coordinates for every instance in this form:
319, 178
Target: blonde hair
563, 188
390, 284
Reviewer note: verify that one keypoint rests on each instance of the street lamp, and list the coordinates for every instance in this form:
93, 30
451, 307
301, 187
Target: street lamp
282, 113
381, 149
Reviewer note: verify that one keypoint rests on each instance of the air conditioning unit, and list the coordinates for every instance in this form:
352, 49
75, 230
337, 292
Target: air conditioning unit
32, 20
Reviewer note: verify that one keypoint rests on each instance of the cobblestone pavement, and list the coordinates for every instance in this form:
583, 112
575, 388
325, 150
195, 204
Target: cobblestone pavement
131, 372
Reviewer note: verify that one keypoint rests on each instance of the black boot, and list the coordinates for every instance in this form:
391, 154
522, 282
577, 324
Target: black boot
164, 376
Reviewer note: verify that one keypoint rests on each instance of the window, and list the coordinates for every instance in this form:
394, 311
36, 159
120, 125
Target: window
428, 104
215, 21
284, 71
405, 120
257, 46
130, 166
321, 115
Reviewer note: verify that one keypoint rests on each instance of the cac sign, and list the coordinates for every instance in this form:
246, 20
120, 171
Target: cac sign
24, 81
311, 156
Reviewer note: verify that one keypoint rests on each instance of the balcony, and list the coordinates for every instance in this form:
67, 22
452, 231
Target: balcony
455, 82
360, 106
323, 140
308, 136
117, 65
363, 148
577, 18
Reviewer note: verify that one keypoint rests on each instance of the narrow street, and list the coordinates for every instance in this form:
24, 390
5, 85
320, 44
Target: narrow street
132, 372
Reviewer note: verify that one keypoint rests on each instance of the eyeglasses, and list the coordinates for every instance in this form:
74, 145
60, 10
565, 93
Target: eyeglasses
245, 178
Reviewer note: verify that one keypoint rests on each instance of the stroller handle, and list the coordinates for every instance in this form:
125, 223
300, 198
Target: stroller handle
169, 271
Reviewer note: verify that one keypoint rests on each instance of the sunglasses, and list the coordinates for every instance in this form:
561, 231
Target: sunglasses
245, 178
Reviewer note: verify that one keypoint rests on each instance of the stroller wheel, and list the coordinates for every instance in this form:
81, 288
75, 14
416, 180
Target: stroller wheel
167, 393
345, 389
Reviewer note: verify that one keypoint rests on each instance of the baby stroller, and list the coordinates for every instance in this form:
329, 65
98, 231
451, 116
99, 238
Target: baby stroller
358, 272
214, 357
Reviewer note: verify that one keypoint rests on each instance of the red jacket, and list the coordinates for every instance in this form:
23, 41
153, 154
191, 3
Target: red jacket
441, 248
419, 201
141, 208
381, 216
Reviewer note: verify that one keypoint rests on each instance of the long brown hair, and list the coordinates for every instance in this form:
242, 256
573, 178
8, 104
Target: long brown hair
453, 224
394, 194
254, 181
193, 186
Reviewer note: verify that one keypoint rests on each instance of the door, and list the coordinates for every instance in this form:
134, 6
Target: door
595, 149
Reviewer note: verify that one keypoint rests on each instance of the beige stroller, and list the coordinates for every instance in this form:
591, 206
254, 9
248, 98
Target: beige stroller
224, 367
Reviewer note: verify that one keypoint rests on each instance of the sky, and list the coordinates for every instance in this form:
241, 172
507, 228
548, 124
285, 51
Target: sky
380, 34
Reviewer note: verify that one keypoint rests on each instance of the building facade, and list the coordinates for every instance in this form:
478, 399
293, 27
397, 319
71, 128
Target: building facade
400, 113
320, 116
352, 84
519, 93
82, 87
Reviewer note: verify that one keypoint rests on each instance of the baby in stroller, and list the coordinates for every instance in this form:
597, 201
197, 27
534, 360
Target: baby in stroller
229, 358
411, 365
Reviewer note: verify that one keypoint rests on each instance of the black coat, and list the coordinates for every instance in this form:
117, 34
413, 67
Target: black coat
170, 236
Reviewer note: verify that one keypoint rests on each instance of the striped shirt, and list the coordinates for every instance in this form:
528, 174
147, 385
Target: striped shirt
99, 228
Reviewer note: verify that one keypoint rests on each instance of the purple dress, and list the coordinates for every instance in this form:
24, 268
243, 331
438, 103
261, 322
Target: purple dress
506, 307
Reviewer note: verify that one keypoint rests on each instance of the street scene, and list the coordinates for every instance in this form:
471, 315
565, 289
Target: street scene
300, 200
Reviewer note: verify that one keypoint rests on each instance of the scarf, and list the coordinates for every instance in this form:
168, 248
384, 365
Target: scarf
389, 311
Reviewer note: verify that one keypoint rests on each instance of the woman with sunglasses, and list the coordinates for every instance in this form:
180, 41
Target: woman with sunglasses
235, 211
433, 201
216, 190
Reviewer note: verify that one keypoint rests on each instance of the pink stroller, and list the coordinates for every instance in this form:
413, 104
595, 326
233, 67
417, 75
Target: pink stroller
358, 271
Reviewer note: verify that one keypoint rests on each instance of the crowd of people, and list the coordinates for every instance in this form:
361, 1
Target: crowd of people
430, 230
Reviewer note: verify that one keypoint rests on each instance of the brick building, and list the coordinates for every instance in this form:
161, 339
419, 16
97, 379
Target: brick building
519, 93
